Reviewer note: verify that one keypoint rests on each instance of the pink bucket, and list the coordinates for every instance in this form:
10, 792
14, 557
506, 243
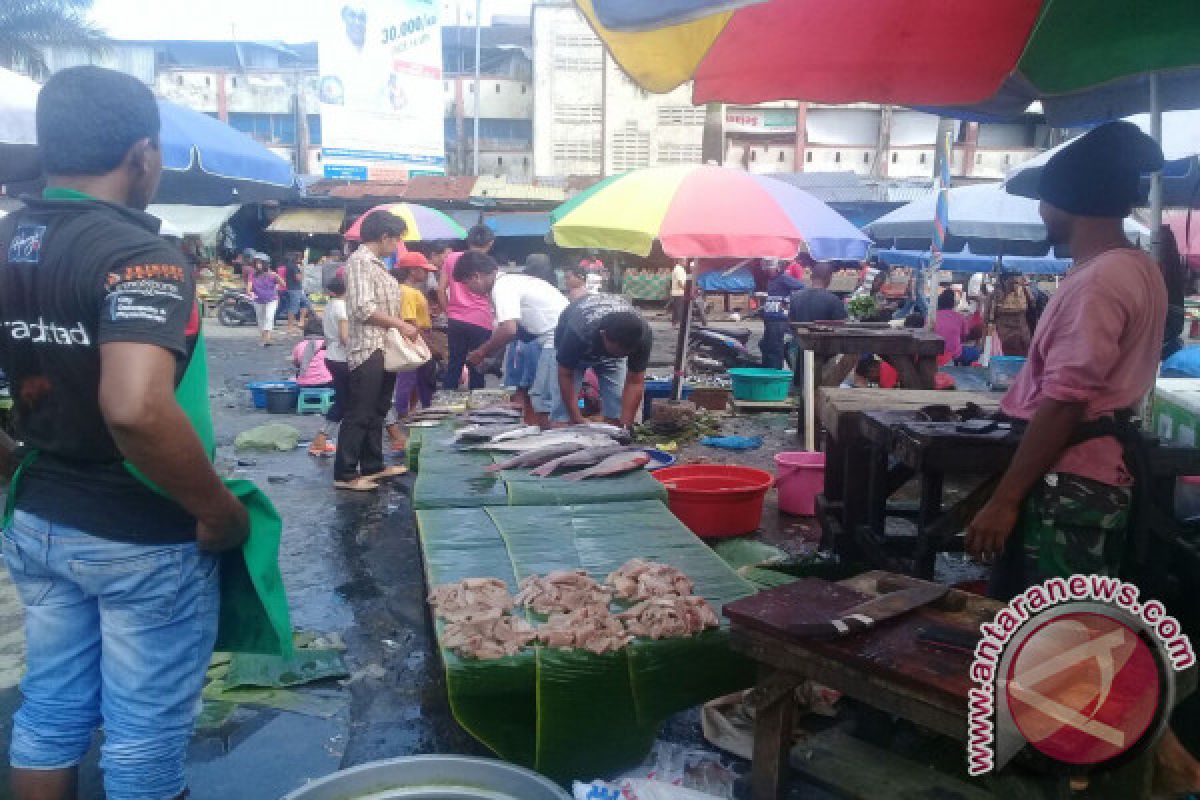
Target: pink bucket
800, 478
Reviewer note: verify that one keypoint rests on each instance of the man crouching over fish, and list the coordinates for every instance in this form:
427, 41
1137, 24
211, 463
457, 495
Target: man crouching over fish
527, 310
604, 333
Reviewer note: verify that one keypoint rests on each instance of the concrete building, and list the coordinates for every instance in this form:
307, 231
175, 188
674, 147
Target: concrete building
871, 140
589, 119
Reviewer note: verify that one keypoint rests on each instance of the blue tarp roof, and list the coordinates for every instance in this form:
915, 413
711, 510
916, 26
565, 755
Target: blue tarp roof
966, 261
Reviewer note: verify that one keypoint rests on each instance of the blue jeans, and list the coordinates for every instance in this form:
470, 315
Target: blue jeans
611, 375
117, 635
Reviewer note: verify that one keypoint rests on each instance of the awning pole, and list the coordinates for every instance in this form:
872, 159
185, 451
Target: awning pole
1156, 185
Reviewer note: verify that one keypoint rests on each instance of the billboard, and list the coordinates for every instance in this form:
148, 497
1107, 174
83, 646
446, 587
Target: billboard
380, 89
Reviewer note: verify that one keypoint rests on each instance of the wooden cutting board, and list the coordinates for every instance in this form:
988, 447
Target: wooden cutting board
891, 652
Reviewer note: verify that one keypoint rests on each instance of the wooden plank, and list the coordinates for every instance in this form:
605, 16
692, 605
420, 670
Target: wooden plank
773, 725
857, 770
764, 405
837, 407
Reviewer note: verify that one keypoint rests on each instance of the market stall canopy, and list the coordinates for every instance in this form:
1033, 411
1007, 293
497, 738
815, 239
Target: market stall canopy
705, 212
966, 261
507, 223
985, 216
1181, 149
203, 222
1085, 60
1186, 228
308, 220
424, 223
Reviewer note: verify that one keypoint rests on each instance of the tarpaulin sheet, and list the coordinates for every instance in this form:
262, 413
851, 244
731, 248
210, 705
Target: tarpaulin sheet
448, 477
568, 713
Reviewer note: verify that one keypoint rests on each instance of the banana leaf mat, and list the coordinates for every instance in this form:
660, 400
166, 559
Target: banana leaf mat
448, 477
570, 713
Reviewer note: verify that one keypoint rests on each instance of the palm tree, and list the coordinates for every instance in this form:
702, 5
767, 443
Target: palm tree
26, 26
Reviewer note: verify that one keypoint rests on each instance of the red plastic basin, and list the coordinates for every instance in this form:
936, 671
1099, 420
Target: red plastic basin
716, 500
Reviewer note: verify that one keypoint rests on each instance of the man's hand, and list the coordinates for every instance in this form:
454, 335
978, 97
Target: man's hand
991, 527
408, 330
226, 529
475, 358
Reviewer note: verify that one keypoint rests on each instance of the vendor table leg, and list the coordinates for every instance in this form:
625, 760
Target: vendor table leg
773, 724
927, 368
925, 553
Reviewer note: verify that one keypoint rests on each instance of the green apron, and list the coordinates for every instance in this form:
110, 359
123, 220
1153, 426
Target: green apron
254, 611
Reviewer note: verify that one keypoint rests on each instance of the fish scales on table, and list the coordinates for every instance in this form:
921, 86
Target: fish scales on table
617, 464
585, 458
535, 457
545, 439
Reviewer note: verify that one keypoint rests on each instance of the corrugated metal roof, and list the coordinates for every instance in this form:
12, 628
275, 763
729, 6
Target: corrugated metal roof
500, 189
308, 220
439, 187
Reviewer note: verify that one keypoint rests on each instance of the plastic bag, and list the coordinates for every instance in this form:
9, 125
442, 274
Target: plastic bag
733, 442
276, 436
671, 772
636, 790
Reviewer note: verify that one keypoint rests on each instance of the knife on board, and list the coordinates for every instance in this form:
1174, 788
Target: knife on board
866, 615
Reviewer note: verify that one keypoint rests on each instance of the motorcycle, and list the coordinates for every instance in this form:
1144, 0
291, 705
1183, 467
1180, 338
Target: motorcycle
714, 350
235, 309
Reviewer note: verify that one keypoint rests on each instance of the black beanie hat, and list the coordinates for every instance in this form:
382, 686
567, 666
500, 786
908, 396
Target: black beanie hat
1100, 173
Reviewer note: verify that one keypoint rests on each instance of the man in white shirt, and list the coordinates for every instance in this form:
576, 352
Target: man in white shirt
679, 276
526, 310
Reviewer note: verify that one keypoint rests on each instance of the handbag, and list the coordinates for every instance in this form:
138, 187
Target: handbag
401, 354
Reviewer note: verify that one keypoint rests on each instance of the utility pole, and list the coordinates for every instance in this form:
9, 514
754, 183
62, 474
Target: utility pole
478, 91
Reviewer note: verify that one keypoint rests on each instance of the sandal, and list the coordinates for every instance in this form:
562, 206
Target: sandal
387, 472
363, 484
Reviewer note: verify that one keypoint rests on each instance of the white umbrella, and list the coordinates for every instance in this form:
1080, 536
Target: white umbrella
984, 216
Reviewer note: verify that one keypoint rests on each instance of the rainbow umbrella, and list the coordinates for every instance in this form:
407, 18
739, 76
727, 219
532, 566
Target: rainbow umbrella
705, 212
424, 223
1085, 60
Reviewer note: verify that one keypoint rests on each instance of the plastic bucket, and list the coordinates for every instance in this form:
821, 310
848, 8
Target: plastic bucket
714, 500
800, 478
258, 390
282, 399
760, 384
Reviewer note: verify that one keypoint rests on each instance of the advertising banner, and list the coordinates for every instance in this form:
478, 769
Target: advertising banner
381, 90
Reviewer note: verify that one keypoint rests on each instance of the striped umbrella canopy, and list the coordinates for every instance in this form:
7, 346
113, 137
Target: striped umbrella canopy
705, 212
1085, 60
424, 223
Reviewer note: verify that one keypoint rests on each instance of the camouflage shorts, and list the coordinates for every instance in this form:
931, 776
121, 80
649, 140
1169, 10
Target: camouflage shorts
1069, 525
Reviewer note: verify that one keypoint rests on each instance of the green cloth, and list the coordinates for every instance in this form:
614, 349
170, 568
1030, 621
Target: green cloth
63, 193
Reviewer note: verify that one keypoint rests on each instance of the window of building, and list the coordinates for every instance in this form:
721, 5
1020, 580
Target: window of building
979, 158
471, 88
630, 149
837, 157
679, 154
571, 114
781, 154
524, 88
275, 129
179, 80
680, 115
208, 80
866, 158
577, 52
499, 161
233, 82
808, 157
497, 87
1007, 159
753, 154
895, 157
924, 158
525, 161
586, 150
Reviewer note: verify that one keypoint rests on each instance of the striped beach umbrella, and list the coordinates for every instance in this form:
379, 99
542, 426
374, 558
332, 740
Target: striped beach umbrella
424, 223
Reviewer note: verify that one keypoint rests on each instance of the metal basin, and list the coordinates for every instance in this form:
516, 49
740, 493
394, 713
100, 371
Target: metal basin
432, 778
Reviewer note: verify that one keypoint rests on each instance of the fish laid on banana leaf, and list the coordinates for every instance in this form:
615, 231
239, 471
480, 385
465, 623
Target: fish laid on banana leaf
619, 434
528, 443
535, 457
584, 458
617, 464
477, 434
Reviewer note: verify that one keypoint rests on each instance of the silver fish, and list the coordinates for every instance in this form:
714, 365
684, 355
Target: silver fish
618, 433
587, 458
613, 465
518, 433
528, 443
535, 457
488, 433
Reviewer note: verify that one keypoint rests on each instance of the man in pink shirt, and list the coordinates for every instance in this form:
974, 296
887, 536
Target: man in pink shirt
468, 315
1062, 506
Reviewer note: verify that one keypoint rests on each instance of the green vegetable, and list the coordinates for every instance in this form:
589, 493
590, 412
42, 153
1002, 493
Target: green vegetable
861, 306
568, 713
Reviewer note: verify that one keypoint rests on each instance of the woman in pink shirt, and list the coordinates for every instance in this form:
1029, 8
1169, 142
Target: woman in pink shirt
468, 316
308, 356
953, 327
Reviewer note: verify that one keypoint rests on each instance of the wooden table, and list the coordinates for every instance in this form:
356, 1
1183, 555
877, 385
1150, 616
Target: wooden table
885, 668
842, 508
912, 353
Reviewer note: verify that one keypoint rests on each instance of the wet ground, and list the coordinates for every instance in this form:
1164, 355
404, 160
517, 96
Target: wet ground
352, 566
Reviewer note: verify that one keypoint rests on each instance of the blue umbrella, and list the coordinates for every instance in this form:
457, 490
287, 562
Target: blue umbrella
206, 162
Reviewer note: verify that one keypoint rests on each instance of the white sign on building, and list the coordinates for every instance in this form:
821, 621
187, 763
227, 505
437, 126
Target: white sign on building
380, 90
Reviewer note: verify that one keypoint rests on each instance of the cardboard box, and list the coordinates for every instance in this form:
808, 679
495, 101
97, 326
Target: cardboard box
1175, 412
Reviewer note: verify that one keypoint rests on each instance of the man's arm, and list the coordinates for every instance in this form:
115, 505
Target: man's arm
632, 396
344, 332
1044, 441
504, 333
566, 386
137, 399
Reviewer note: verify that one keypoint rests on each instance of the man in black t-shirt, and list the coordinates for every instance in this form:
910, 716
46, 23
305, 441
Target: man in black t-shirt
605, 333
120, 582
817, 303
